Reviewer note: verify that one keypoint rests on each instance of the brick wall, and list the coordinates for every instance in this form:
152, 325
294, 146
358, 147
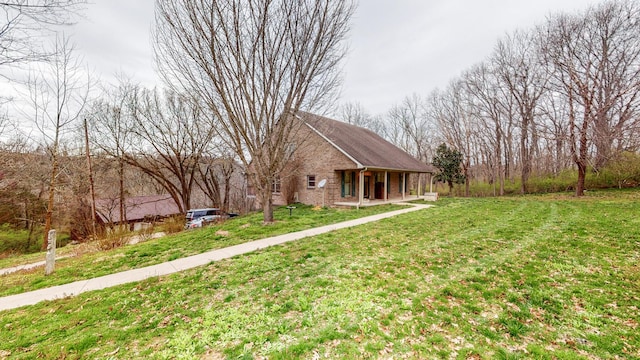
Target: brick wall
315, 156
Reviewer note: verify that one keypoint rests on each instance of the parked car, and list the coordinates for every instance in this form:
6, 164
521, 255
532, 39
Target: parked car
200, 217
200, 222
193, 214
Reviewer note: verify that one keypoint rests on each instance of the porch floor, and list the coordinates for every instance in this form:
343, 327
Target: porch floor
376, 202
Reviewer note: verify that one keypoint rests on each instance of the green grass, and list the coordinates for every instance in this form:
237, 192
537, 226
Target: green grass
545, 277
564, 181
231, 232
14, 241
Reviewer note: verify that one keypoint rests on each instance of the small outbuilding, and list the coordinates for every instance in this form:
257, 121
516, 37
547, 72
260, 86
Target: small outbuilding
140, 211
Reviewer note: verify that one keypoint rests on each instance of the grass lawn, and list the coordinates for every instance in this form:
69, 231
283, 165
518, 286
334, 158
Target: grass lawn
234, 231
547, 277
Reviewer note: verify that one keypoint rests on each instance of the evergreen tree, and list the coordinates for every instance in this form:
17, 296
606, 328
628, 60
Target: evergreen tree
448, 161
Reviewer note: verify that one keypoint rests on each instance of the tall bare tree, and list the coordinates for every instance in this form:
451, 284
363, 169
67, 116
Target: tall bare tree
25, 21
254, 63
216, 169
169, 139
490, 105
111, 122
354, 113
517, 62
596, 60
451, 111
413, 128
58, 95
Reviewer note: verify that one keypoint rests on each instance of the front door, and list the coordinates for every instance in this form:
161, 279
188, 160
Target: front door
379, 190
367, 181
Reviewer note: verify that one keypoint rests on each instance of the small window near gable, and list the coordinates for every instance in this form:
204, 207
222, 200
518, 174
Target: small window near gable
276, 185
311, 181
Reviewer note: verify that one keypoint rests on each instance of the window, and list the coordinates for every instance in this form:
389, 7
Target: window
311, 181
406, 182
400, 183
348, 183
276, 185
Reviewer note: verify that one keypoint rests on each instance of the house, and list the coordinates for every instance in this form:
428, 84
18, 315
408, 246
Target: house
339, 164
139, 210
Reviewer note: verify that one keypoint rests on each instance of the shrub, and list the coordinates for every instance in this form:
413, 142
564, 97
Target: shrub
172, 225
113, 239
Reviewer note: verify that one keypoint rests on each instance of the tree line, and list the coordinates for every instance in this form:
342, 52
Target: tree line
232, 80
562, 95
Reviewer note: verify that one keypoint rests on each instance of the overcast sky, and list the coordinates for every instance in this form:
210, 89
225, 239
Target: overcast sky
397, 47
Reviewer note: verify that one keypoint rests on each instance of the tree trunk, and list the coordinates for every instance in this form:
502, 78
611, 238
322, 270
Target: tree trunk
52, 190
122, 207
582, 173
227, 191
267, 206
524, 156
466, 180
91, 183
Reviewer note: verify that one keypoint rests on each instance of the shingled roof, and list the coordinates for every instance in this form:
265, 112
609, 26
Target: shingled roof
366, 148
137, 208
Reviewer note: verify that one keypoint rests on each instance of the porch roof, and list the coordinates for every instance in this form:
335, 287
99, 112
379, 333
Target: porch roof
366, 148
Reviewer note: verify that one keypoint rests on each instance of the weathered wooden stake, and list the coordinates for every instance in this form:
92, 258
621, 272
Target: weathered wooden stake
51, 253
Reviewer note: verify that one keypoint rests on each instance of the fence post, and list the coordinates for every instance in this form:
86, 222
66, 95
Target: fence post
51, 253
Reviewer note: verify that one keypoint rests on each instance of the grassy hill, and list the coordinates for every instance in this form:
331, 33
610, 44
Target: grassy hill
525, 277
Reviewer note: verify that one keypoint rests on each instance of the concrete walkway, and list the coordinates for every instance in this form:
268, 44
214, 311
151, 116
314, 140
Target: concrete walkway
134, 240
102, 282
34, 265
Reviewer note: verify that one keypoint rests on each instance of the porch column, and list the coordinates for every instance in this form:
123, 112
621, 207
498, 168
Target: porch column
404, 181
430, 182
419, 185
361, 188
386, 194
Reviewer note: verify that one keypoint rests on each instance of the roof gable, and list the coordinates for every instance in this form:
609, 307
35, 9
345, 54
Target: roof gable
363, 146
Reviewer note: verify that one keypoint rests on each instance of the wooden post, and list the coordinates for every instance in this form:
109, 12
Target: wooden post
51, 253
404, 181
360, 188
91, 186
386, 189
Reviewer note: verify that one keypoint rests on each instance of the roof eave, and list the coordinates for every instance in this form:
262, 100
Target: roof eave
375, 167
358, 164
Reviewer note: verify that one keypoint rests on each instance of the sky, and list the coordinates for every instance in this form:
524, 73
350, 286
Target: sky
396, 47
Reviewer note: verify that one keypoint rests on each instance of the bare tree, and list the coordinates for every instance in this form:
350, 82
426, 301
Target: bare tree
216, 169
450, 109
111, 122
254, 63
169, 139
28, 20
490, 107
354, 113
596, 60
413, 128
519, 69
58, 95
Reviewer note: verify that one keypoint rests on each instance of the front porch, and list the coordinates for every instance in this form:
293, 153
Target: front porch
372, 187
395, 200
